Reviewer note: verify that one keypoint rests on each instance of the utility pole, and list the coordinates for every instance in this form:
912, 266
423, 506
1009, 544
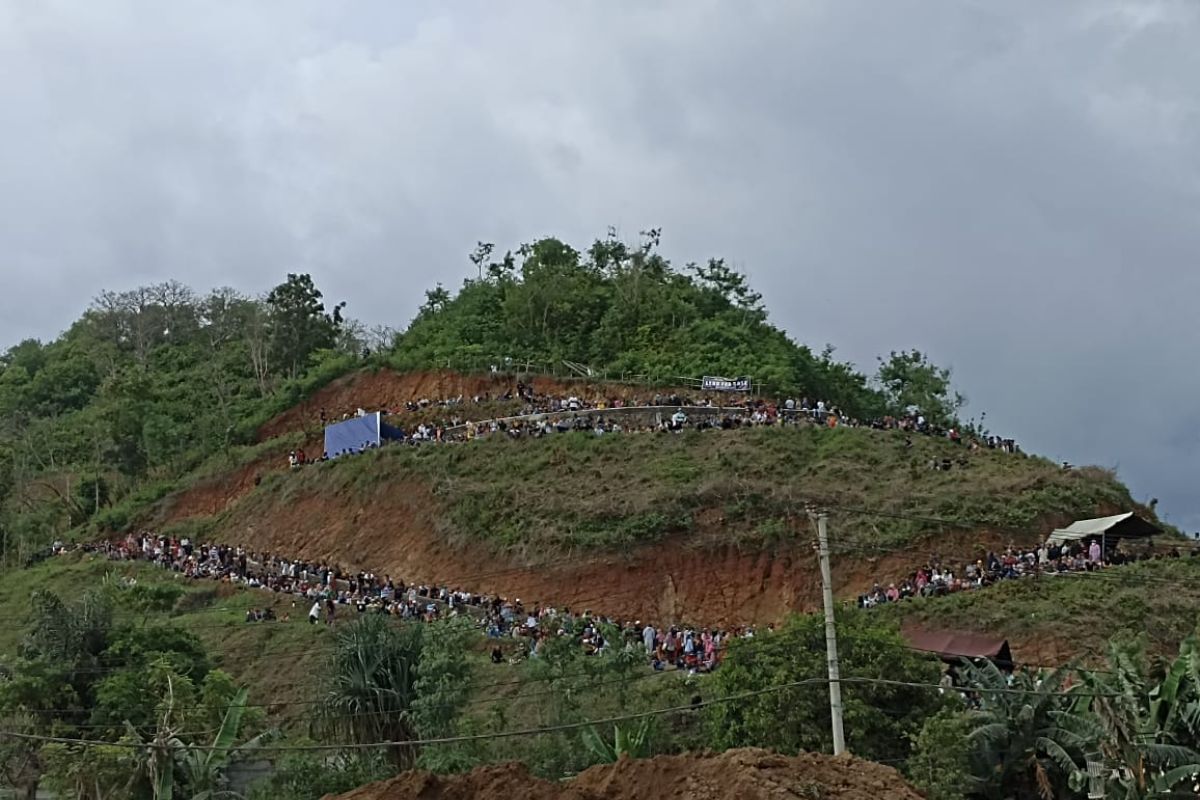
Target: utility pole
835, 686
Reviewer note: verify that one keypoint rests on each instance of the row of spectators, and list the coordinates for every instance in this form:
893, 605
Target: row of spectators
1051, 558
542, 415
332, 590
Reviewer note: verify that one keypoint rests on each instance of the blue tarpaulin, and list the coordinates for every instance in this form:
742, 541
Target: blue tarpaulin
357, 434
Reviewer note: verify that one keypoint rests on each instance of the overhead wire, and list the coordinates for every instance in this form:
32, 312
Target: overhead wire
561, 727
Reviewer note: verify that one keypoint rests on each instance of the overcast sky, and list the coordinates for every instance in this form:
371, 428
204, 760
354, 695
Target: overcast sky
1012, 187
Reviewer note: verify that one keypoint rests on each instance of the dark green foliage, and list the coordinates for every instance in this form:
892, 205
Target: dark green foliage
1026, 741
940, 761
624, 312
1147, 719
68, 634
909, 380
443, 688
299, 325
307, 777
879, 718
146, 386
136, 646
372, 684
149, 598
567, 686
82, 674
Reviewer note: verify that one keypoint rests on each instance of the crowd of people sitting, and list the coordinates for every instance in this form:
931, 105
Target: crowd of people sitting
332, 591
534, 415
520, 629
937, 578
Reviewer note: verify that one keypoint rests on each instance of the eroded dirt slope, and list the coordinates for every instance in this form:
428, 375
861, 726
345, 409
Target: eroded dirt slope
745, 774
399, 533
382, 389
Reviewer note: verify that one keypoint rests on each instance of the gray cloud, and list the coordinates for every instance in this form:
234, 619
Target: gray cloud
1012, 187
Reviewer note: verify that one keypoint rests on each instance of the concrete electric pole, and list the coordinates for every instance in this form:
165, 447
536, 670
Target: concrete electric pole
831, 652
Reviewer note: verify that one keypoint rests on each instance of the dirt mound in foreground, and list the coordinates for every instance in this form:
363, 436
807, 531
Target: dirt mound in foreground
748, 774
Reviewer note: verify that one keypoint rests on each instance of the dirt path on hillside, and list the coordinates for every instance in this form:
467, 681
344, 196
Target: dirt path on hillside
399, 533
371, 390
387, 389
746, 774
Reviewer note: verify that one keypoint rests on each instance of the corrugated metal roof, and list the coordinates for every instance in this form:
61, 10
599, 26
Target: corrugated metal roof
957, 643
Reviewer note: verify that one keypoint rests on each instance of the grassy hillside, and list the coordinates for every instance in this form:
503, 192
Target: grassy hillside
578, 491
277, 661
1055, 618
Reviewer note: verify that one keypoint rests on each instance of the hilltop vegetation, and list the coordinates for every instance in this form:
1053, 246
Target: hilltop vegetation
142, 388
150, 383
623, 311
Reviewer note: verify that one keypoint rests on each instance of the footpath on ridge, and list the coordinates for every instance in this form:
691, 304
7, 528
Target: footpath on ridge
731, 560
744, 774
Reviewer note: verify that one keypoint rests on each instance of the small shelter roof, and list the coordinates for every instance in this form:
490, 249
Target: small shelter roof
1120, 526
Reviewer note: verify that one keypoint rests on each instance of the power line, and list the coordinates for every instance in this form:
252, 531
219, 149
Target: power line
473, 688
566, 726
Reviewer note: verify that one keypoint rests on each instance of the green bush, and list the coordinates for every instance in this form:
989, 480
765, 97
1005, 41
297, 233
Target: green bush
940, 764
880, 719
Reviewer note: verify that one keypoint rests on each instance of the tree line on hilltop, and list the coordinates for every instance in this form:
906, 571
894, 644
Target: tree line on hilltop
150, 382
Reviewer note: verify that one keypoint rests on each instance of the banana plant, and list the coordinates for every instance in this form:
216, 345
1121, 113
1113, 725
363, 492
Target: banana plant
168, 760
202, 770
1148, 731
1026, 740
1175, 702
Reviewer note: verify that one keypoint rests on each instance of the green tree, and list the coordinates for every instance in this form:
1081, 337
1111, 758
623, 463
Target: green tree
72, 634
940, 762
22, 762
879, 718
443, 688
91, 772
299, 325
620, 309
910, 380
160, 651
371, 684
572, 687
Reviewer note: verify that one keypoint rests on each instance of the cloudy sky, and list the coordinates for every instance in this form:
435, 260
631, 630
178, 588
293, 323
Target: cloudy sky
1012, 187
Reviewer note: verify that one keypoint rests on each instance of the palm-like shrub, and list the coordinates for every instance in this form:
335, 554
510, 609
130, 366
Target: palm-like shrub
371, 684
